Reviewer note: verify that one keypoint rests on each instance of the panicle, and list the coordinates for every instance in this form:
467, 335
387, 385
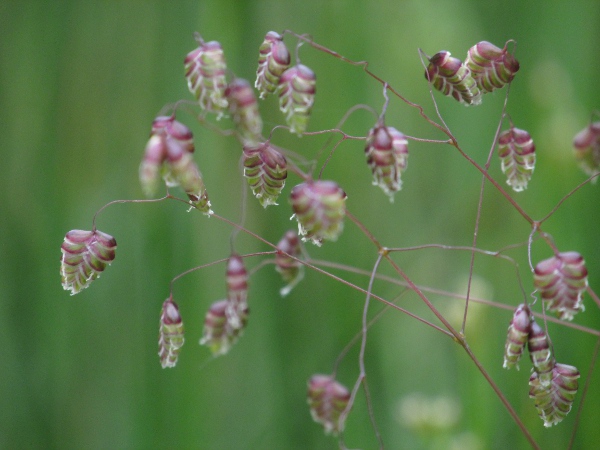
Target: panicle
296, 96
265, 170
85, 255
273, 60
491, 67
387, 156
291, 271
562, 279
327, 400
170, 338
518, 334
244, 110
320, 208
205, 69
517, 155
452, 78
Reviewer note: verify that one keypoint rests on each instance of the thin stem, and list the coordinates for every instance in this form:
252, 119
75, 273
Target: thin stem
153, 200
459, 338
479, 209
361, 359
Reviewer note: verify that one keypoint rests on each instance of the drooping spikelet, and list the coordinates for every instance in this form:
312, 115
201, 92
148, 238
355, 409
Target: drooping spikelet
273, 60
517, 337
205, 70
327, 400
554, 400
170, 338
296, 96
587, 148
244, 110
218, 334
265, 170
236, 278
517, 155
451, 77
169, 152
291, 270
540, 353
490, 66
387, 156
85, 255
320, 208
562, 279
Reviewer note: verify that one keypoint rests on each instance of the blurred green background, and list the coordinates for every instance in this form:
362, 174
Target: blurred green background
80, 83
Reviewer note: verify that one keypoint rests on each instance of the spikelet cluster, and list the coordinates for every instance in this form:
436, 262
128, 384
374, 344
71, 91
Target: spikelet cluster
291, 270
320, 208
170, 338
491, 67
553, 401
327, 400
387, 156
485, 69
273, 60
85, 255
205, 69
296, 96
243, 108
452, 78
265, 170
218, 334
587, 148
517, 155
169, 153
552, 385
562, 279
226, 319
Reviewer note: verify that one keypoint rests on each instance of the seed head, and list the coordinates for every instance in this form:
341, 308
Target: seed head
273, 60
85, 255
320, 208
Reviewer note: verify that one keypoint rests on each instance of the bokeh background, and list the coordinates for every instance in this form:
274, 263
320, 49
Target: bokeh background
80, 83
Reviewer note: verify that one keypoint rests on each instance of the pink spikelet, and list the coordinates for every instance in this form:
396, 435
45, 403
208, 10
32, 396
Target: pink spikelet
452, 78
237, 291
320, 208
291, 270
170, 338
265, 170
587, 149
540, 353
169, 152
244, 110
327, 400
85, 255
517, 155
218, 334
517, 337
553, 401
273, 60
297, 96
491, 67
387, 156
205, 69
561, 280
